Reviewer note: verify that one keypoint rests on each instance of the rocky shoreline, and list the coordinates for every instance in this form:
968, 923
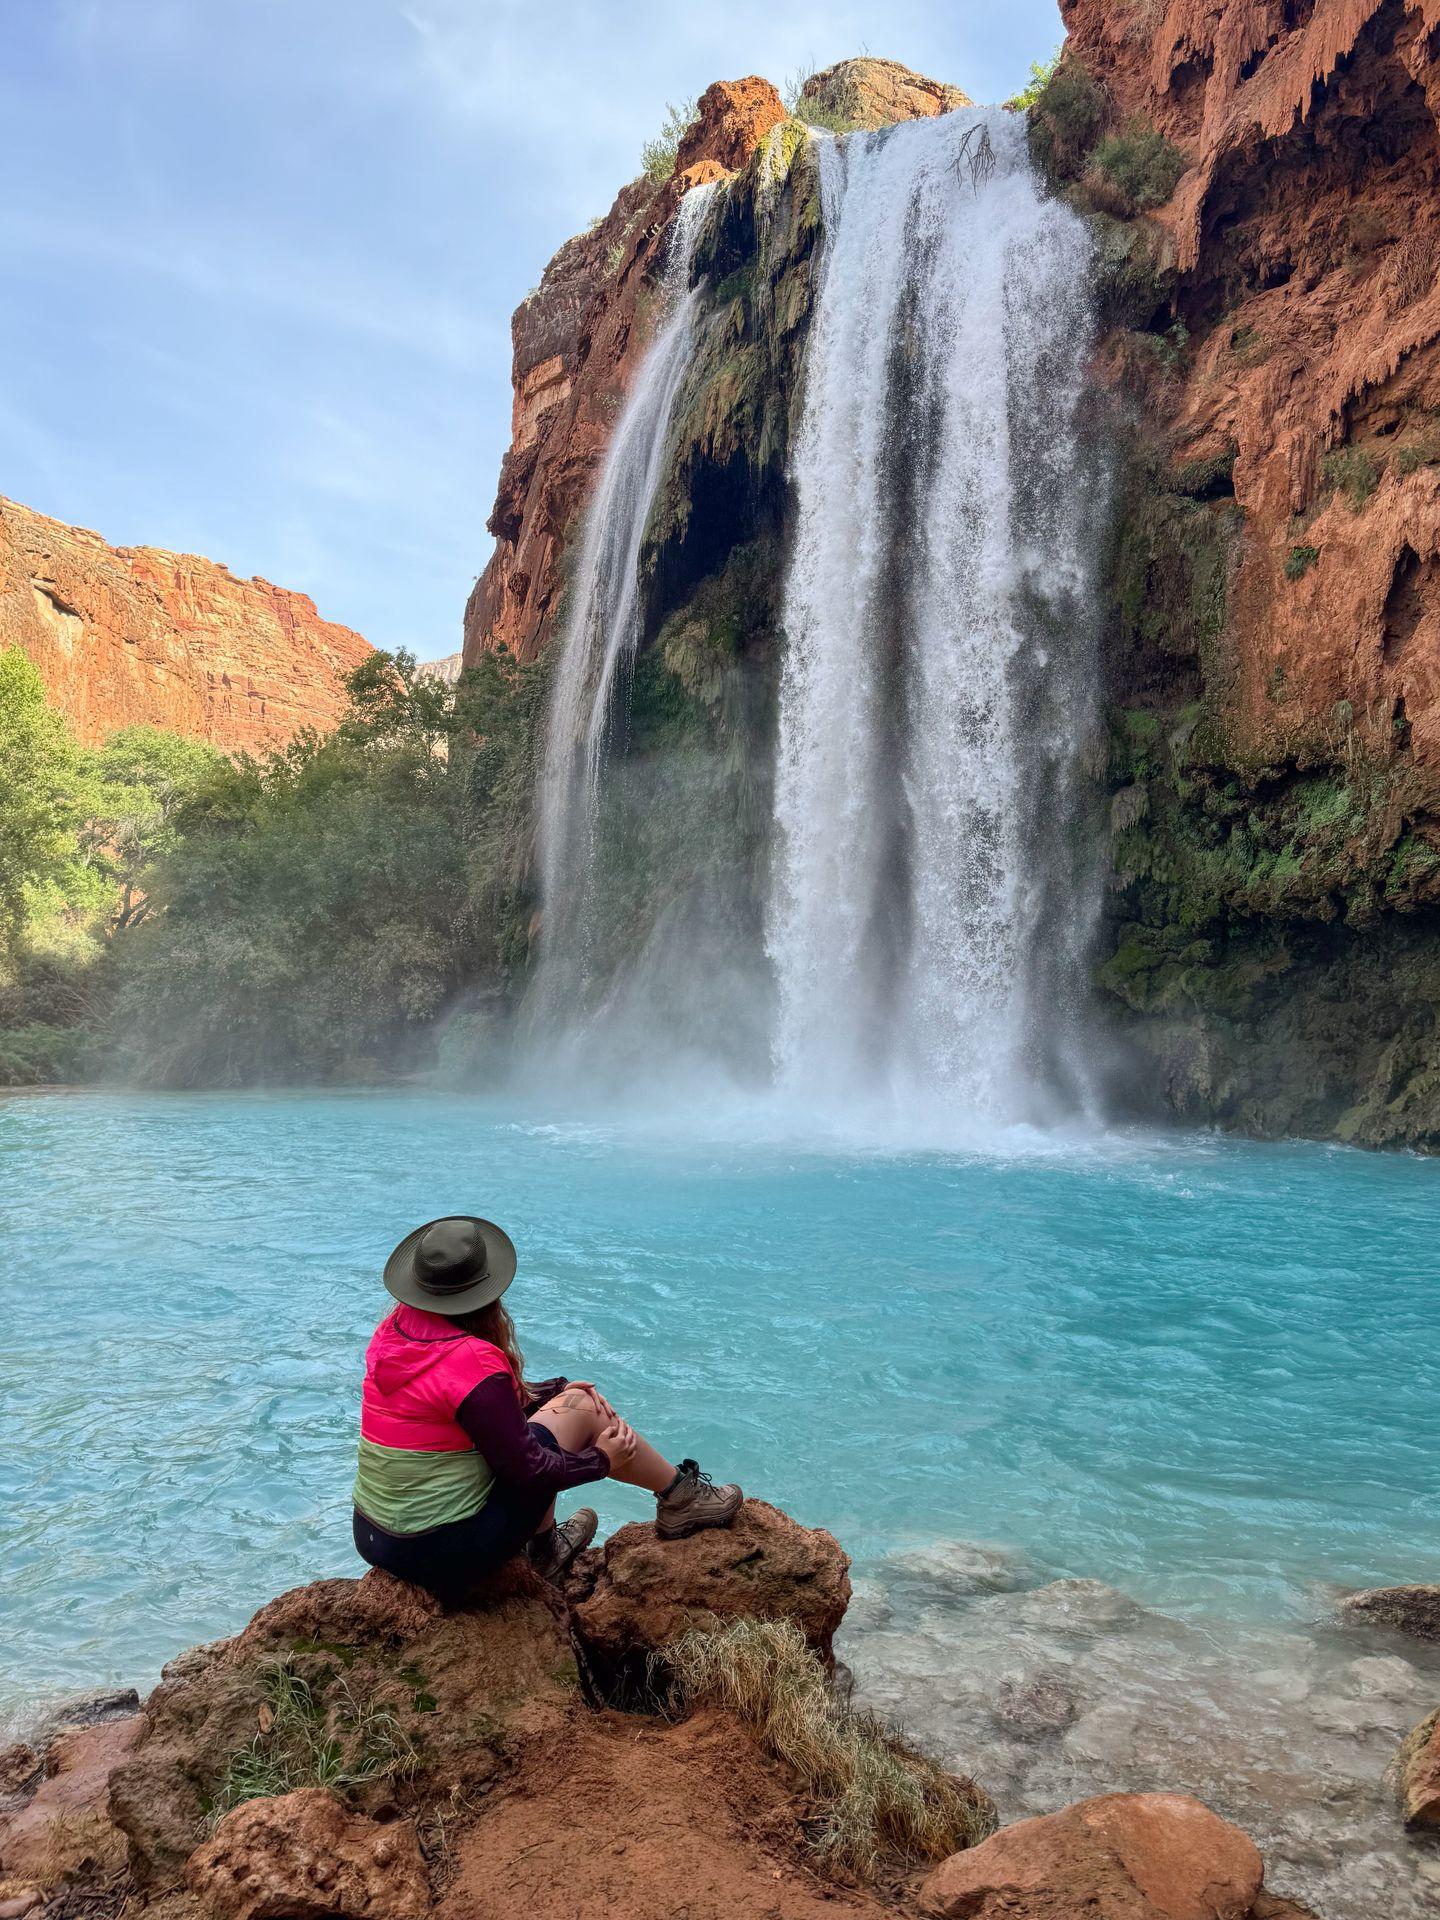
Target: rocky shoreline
355, 1751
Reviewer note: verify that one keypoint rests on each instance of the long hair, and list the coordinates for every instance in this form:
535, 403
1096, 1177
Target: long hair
493, 1323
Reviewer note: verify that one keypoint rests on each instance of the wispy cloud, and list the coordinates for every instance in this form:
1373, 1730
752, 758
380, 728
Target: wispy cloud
265, 253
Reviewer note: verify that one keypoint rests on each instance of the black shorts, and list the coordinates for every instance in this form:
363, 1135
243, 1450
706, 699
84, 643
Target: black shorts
449, 1560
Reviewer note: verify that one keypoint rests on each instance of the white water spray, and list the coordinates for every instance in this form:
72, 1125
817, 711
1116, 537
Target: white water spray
932, 696
603, 627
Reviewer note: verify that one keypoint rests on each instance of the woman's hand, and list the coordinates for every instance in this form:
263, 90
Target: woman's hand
617, 1443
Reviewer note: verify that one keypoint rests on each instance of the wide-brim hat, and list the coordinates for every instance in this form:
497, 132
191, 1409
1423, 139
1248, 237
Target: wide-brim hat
452, 1265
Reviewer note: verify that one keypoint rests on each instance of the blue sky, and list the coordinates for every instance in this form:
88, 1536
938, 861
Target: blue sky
260, 255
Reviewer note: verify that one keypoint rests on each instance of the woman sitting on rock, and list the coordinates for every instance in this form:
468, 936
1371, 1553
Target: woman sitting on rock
460, 1457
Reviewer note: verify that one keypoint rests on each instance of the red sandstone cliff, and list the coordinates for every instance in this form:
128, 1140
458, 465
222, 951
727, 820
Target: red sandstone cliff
579, 337
577, 342
1306, 233
131, 635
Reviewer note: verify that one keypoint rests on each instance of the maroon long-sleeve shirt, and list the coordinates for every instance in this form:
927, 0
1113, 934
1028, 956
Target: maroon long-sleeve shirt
499, 1426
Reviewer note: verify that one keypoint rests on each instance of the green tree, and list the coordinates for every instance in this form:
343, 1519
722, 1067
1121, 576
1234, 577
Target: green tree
658, 156
322, 908
1041, 72
138, 786
41, 805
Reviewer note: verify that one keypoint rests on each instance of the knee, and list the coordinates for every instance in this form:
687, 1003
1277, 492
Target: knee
579, 1410
572, 1400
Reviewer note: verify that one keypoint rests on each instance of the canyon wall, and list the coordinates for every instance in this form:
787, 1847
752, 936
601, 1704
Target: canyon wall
577, 340
579, 336
1260, 181
124, 636
1263, 182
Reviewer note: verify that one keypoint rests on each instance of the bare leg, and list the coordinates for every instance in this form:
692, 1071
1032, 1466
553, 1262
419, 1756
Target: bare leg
574, 1419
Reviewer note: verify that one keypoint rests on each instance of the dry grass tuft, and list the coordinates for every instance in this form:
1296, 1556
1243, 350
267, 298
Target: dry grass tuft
877, 1800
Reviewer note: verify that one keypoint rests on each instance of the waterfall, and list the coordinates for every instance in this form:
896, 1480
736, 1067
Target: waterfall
927, 923
602, 630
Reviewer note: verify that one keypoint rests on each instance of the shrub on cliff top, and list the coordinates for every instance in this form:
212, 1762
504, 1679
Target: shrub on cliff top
837, 110
1142, 166
1042, 72
1065, 120
876, 1798
657, 156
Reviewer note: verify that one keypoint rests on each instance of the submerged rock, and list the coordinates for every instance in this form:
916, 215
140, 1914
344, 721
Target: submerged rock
641, 1592
1037, 1704
1412, 1610
1419, 1775
1145, 1856
961, 1568
300, 1856
1386, 1675
1077, 1606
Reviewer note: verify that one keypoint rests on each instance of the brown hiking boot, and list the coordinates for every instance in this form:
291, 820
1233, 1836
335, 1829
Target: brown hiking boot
551, 1553
694, 1502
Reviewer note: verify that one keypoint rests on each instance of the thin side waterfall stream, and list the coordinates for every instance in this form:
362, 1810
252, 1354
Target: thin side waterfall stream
933, 697
602, 632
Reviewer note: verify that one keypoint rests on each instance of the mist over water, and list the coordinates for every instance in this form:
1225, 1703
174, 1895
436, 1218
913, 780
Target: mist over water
937, 667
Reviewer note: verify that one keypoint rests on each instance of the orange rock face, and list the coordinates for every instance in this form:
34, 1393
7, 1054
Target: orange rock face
124, 636
577, 342
66, 1821
732, 118
1306, 232
1420, 1775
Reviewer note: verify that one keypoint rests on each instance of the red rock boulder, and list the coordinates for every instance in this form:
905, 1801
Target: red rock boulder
1412, 1610
376, 1607
65, 1825
732, 117
300, 1856
879, 93
1127, 1856
452, 1687
640, 1592
1419, 1775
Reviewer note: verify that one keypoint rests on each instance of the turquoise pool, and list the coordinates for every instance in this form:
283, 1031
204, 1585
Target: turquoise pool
1203, 1371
